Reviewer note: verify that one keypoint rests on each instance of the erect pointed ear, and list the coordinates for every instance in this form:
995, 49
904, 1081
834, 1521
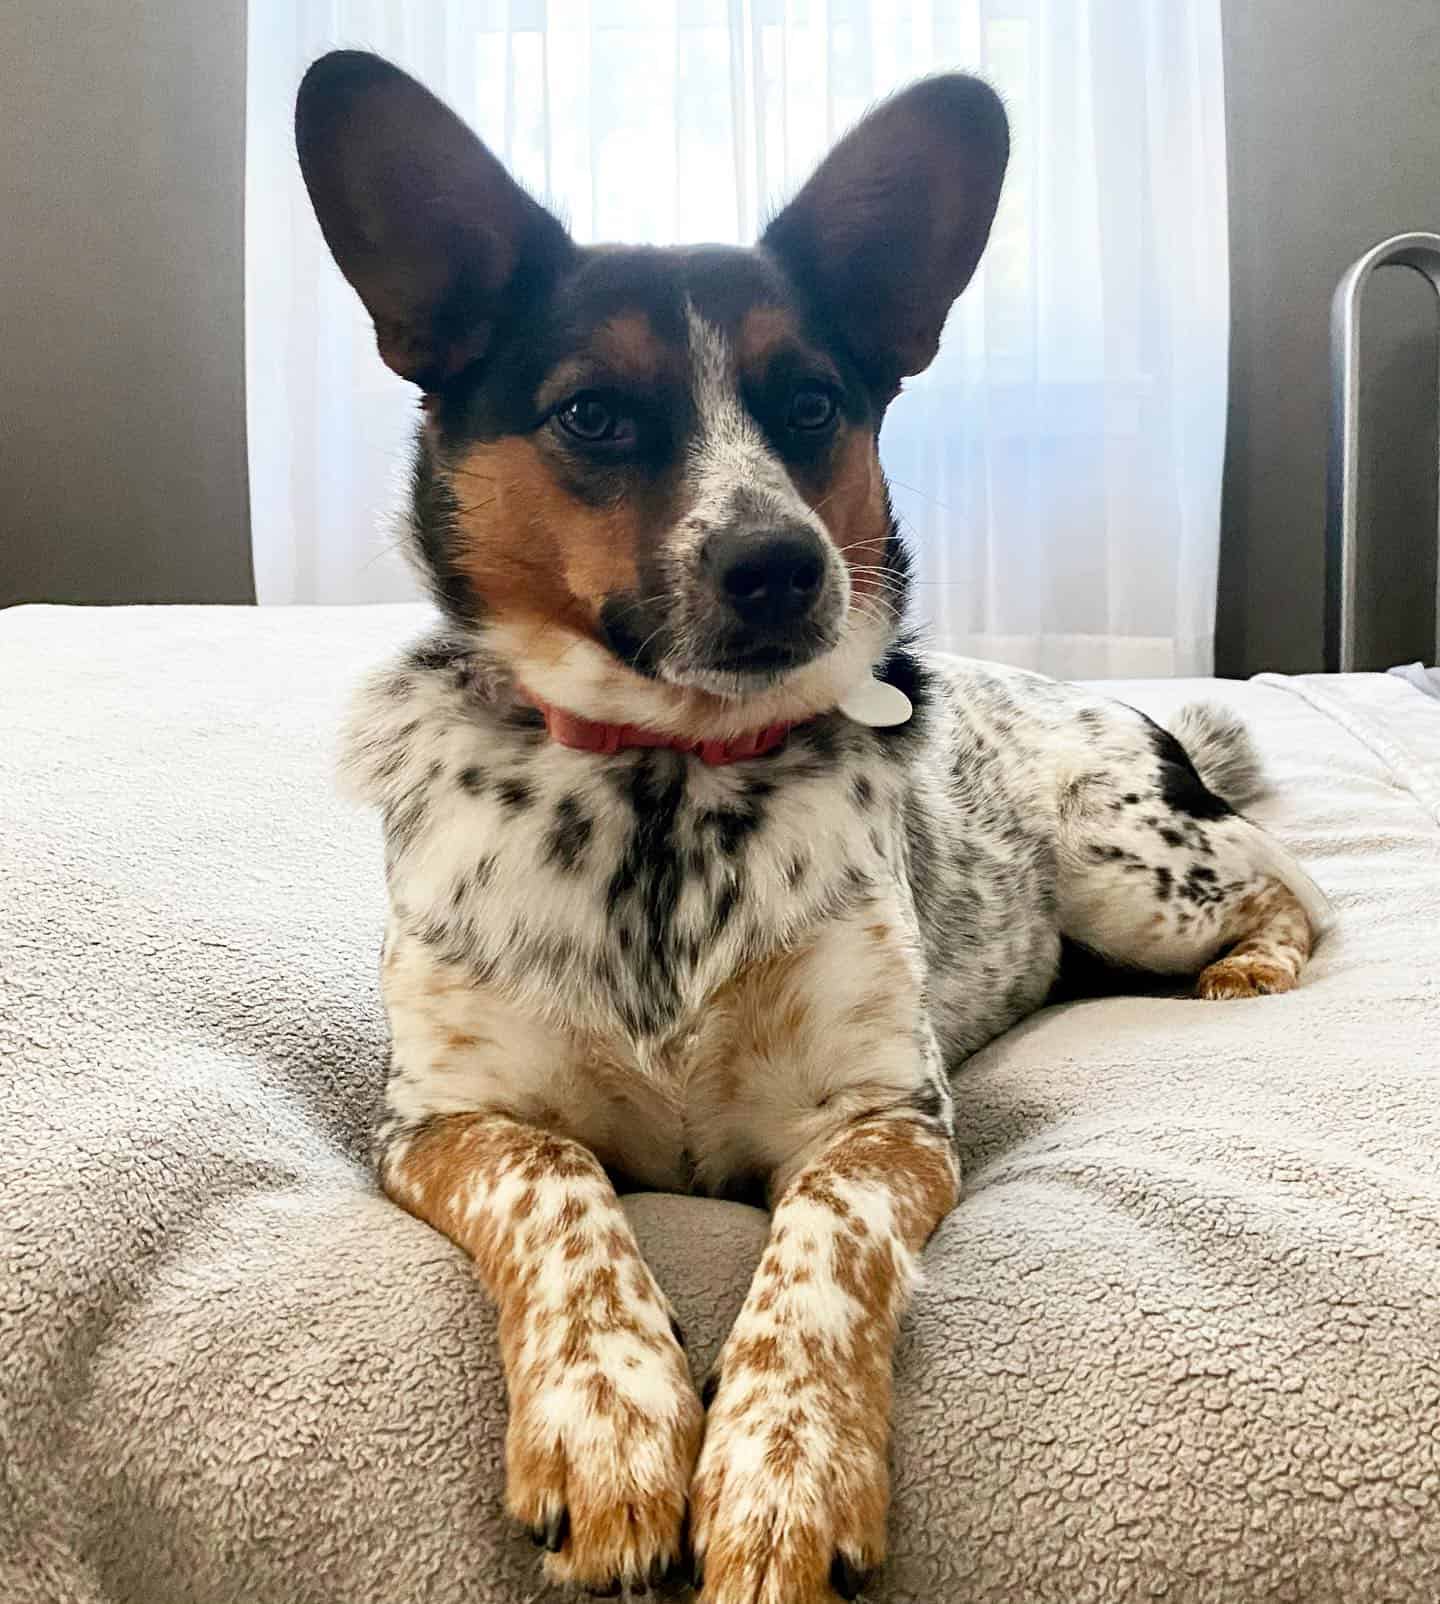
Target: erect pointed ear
891, 225
434, 234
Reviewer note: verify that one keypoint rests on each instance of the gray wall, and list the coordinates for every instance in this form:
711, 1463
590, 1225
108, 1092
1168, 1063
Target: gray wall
1333, 123
122, 402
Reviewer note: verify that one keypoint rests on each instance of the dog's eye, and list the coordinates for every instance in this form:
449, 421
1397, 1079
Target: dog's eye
595, 420
811, 409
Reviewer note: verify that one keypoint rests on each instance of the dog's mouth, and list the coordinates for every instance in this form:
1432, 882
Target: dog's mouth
738, 671
677, 675
768, 660
690, 656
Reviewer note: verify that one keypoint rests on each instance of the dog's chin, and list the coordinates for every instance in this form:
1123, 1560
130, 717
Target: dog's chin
739, 676
711, 697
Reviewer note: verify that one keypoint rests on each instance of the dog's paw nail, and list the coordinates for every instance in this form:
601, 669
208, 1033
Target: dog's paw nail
611, 1591
710, 1387
697, 1573
553, 1533
677, 1331
846, 1577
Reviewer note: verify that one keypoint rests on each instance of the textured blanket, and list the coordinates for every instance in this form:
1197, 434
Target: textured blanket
1180, 1341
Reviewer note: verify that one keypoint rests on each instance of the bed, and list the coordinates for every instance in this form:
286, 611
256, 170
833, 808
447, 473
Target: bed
1180, 1341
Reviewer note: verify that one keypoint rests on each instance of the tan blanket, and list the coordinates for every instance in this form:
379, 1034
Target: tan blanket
1181, 1341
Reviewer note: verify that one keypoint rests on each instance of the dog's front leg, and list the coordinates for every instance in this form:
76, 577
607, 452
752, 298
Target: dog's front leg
604, 1421
790, 1495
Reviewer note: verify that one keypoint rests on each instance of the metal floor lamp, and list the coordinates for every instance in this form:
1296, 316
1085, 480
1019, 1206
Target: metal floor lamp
1422, 253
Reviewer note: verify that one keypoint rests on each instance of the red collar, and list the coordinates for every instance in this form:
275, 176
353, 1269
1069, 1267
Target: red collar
586, 735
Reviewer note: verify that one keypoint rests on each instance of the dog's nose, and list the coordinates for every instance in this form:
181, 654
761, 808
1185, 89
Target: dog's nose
769, 580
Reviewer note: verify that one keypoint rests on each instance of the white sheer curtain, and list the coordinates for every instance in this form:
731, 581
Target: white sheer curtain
1058, 468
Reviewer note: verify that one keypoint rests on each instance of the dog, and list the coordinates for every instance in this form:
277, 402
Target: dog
701, 876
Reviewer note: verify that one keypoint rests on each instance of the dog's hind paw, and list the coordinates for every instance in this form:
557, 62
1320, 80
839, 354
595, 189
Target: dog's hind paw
1245, 976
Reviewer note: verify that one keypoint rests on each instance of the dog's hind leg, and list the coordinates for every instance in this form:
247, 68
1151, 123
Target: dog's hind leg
1159, 873
1273, 941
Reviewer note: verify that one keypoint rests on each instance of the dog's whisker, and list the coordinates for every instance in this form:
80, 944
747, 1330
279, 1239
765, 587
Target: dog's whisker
924, 495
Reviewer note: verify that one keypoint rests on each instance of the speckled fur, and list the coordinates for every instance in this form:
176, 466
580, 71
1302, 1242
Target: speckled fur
751, 979
724, 979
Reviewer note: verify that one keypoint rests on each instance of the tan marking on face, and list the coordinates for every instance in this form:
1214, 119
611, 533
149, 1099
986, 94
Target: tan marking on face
764, 331
625, 348
853, 509
542, 560
629, 343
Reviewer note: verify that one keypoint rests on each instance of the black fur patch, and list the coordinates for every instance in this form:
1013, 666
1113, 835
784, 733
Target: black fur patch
1180, 783
733, 827
569, 836
433, 528
437, 652
1084, 974
517, 795
929, 1101
644, 888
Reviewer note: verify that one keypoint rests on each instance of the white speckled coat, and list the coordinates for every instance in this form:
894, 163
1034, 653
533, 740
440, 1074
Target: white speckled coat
648, 495
610, 899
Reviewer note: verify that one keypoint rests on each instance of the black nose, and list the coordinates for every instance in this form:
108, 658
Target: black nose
770, 581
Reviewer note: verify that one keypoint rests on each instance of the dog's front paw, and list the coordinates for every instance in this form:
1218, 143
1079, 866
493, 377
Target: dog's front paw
600, 1449
789, 1498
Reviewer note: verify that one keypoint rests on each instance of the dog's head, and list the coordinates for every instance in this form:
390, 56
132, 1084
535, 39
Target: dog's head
650, 476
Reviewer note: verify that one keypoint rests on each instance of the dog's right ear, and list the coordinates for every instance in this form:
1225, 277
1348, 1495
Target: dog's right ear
436, 237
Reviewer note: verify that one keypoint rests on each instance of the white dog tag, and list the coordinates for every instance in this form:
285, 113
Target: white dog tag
876, 703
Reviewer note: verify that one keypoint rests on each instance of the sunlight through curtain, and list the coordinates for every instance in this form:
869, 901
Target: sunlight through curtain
1057, 469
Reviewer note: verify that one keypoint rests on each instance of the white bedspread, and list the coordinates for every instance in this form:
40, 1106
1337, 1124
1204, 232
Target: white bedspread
1180, 1341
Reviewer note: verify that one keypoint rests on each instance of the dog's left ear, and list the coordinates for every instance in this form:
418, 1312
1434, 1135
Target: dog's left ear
891, 225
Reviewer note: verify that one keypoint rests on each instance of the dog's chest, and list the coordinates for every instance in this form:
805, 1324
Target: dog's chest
617, 893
